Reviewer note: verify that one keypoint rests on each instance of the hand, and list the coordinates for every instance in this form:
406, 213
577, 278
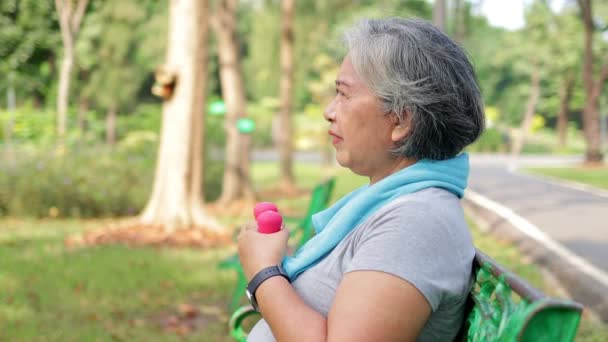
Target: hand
258, 250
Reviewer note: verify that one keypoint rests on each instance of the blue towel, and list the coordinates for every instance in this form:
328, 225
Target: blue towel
334, 223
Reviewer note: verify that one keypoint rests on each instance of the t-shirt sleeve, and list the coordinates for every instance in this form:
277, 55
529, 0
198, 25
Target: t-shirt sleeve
414, 243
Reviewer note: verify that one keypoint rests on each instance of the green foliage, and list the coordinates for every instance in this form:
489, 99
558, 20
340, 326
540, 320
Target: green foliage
492, 140
263, 112
54, 182
318, 28
262, 60
29, 125
544, 141
114, 62
146, 117
28, 35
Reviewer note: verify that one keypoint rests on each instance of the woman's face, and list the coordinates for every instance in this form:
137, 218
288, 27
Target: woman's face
361, 132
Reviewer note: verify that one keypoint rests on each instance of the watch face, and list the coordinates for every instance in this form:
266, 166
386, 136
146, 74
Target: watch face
248, 295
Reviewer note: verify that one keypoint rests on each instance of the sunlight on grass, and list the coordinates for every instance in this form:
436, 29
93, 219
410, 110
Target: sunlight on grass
597, 177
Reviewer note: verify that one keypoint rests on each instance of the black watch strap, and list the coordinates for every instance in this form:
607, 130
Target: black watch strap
262, 276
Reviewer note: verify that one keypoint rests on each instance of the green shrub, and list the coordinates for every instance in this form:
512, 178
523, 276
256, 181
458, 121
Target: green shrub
492, 140
29, 124
146, 117
537, 148
92, 182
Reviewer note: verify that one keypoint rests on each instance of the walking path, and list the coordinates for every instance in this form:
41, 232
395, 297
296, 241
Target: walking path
569, 223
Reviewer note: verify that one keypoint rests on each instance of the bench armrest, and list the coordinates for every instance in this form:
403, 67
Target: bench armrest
235, 325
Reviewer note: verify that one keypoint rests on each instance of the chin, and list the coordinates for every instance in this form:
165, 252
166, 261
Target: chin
346, 163
342, 160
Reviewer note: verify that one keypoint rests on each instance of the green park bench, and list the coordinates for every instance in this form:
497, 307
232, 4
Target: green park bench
501, 307
302, 230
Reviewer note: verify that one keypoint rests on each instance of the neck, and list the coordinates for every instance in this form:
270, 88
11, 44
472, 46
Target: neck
397, 165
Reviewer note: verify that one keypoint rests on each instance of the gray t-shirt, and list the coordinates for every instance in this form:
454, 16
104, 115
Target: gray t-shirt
421, 237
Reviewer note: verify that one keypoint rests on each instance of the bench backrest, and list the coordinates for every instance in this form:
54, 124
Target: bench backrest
503, 307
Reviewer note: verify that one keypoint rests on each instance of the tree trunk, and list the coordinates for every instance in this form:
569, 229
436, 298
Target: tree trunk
593, 89
460, 10
176, 200
70, 19
526, 122
83, 110
236, 182
439, 14
64, 90
565, 95
286, 136
11, 104
111, 126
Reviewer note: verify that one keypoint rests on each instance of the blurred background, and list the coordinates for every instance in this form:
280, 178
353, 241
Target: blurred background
145, 122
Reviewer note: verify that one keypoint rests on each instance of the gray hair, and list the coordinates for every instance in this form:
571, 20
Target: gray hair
424, 78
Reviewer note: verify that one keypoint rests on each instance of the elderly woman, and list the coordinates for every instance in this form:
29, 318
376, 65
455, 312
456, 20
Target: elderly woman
392, 260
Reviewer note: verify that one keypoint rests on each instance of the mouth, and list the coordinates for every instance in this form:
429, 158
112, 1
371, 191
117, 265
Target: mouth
336, 139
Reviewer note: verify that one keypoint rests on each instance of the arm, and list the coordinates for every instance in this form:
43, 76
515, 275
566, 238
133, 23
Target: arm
282, 308
377, 306
289, 318
369, 306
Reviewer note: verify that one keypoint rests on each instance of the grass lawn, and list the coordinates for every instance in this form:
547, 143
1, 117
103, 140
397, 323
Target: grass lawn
115, 293
597, 177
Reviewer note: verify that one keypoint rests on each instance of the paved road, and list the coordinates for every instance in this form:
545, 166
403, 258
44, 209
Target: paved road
575, 218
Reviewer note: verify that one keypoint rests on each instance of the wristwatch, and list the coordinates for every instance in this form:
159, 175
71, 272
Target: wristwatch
259, 278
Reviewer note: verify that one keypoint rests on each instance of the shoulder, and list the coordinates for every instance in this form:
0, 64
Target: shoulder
425, 214
422, 238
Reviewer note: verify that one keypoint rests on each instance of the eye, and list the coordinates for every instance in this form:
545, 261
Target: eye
338, 92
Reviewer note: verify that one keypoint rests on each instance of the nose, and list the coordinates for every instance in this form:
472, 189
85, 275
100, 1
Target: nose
330, 111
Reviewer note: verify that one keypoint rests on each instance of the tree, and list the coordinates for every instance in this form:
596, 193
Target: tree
461, 11
565, 95
534, 37
593, 87
285, 138
439, 14
526, 122
28, 36
70, 13
236, 180
565, 45
176, 199
109, 65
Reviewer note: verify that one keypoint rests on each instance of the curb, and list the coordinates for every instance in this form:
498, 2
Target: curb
584, 282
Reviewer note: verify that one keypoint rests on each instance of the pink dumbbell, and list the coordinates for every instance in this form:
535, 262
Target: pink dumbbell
261, 207
267, 216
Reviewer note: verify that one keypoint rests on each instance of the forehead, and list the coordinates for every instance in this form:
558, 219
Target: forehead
347, 75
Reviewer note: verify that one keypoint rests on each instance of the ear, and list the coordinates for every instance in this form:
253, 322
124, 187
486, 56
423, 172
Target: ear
400, 129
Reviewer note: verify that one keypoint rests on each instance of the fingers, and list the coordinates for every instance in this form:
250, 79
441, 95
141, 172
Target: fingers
247, 226
251, 225
285, 233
